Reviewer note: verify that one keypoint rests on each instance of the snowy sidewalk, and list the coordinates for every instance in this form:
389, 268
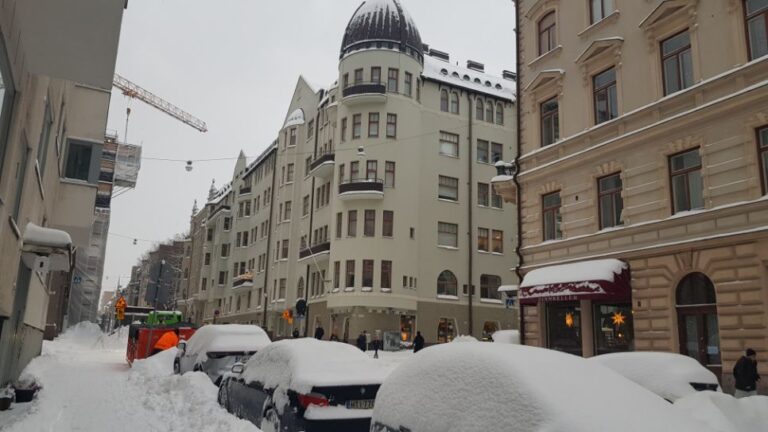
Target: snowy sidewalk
88, 387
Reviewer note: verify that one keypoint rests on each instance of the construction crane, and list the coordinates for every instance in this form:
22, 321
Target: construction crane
134, 91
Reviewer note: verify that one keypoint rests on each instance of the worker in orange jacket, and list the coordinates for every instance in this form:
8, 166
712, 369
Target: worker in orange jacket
167, 340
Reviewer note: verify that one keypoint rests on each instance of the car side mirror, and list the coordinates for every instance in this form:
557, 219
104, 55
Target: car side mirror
238, 368
182, 346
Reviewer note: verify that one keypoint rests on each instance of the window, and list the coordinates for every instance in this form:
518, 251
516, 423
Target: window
547, 36
497, 152
446, 284
448, 188
310, 129
482, 151
354, 170
336, 273
497, 241
358, 76
685, 180
352, 223
447, 234
289, 173
479, 109
373, 125
496, 201
222, 277
281, 293
610, 202
248, 208
45, 136
444, 100
369, 223
78, 160
376, 75
225, 250
418, 90
389, 174
482, 194
350, 271
489, 112
762, 145
339, 223
676, 63
284, 250
454, 103
239, 242
21, 174
209, 235
499, 113
287, 213
357, 126
207, 260
614, 328
604, 87
341, 173
489, 287
393, 78
482, 240
371, 169
408, 84
345, 80
391, 125
600, 9
204, 285
387, 227
368, 273
386, 274
756, 16
344, 129
7, 94
550, 122
292, 141
550, 206
449, 144
305, 205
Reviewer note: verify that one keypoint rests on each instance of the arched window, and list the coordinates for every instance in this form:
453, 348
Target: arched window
479, 109
446, 284
697, 320
454, 103
547, 33
300, 288
444, 100
489, 287
489, 112
695, 290
499, 113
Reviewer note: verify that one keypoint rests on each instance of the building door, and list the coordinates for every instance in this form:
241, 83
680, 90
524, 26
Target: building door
697, 321
564, 327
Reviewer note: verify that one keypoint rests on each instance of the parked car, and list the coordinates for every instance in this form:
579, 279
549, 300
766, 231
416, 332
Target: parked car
305, 385
491, 387
669, 375
213, 349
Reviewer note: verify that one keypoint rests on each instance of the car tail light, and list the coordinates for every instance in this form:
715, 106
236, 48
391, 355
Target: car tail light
305, 400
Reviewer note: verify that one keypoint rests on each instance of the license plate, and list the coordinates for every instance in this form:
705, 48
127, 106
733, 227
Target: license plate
360, 404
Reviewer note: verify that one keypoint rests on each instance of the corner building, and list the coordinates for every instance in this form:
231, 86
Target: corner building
373, 204
644, 139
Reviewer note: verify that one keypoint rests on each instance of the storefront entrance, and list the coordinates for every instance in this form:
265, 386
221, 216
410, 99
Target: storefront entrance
564, 327
407, 325
446, 330
697, 321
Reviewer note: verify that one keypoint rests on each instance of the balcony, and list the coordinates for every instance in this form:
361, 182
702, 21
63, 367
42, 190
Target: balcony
361, 93
244, 280
245, 190
319, 251
361, 189
504, 183
322, 165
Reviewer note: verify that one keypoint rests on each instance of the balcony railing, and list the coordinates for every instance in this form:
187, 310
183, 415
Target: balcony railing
362, 185
315, 249
106, 176
245, 190
322, 158
364, 88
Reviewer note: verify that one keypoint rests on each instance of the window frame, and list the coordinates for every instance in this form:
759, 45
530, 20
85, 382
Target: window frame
444, 101
385, 274
554, 117
749, 17
376, 74
603, 10
454, 144
357, 126
483, 194
388, 224
550, 31
408, 84
352, 223
7, 104
349, 274
677, 55
762, 155
486, 287
684, 172
497, 241
483, 240
445, 284
368, 273
605, 89
442, 183
373, 124
393, 80
485, 146
369, 223
555, 210
612, 193
455, 104
391, 131
454, 232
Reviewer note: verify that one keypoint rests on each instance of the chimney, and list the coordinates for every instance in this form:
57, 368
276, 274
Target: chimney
475, 66
444, 56
509, 75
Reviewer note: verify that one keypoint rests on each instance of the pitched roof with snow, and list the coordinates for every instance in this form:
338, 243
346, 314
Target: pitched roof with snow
442, 71
382, 24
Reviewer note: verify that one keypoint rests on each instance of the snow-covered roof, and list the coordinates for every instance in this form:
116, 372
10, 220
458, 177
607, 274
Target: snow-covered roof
226, 338
501, 178
458, 76
507, 387
35, 235
296, 118
595, 270
669, 375
378, 22
508, 288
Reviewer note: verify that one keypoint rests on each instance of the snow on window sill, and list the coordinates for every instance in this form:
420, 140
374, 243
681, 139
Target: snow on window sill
349, 289
386, 290
454, 248
492, 301
366, 289
448, 200
447, 297
551, 53
613, 16
335, 290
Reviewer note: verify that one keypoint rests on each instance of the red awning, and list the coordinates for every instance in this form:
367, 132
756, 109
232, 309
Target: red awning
605, 280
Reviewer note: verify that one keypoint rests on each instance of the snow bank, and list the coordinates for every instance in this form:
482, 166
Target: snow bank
515, 388
724, 413
507, 336
82, 334
158, 365
465, 338
604, 270
226, 338
668, 375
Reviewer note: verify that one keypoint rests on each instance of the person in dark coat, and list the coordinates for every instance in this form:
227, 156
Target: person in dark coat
295, 333
745, 374
319, 332
418, 342
361, 341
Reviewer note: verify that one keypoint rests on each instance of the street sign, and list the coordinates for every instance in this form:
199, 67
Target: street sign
76, 280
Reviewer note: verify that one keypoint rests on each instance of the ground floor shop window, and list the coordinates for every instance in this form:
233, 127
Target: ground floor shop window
614, 331
407, 326
446, 330
564, 327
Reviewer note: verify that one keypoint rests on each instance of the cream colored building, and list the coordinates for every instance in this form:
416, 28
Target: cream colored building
53, 114
643, 138
373, 203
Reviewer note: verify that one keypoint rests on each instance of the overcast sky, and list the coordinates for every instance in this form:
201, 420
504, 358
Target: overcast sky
234, 64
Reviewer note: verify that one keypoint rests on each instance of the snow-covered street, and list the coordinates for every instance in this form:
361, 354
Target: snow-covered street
88, 387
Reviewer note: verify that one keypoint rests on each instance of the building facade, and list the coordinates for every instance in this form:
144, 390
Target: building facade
373, 204
643, 139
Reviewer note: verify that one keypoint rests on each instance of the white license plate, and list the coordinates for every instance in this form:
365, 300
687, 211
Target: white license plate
360, 404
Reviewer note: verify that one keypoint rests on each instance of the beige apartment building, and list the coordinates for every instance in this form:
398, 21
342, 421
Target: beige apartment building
53, 114
642, 177
373, 204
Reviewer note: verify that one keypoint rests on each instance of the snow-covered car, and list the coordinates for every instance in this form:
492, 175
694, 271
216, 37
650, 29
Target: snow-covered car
490, 387
669, 375
305, 385
213, 349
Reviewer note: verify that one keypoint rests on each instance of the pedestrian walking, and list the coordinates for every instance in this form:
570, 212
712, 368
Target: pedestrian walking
361, 341
745, 374
319, 332
295, 333
376, 346
418, 342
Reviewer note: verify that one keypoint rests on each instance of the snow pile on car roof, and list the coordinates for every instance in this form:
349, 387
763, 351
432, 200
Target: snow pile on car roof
465, 338
226, 338
668, 375
724, 413
506, 336
482, 387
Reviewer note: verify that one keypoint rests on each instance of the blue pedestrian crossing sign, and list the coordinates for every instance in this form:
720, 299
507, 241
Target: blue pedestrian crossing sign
76, 280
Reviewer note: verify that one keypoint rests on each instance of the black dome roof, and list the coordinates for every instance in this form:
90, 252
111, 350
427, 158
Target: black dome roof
382, 24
